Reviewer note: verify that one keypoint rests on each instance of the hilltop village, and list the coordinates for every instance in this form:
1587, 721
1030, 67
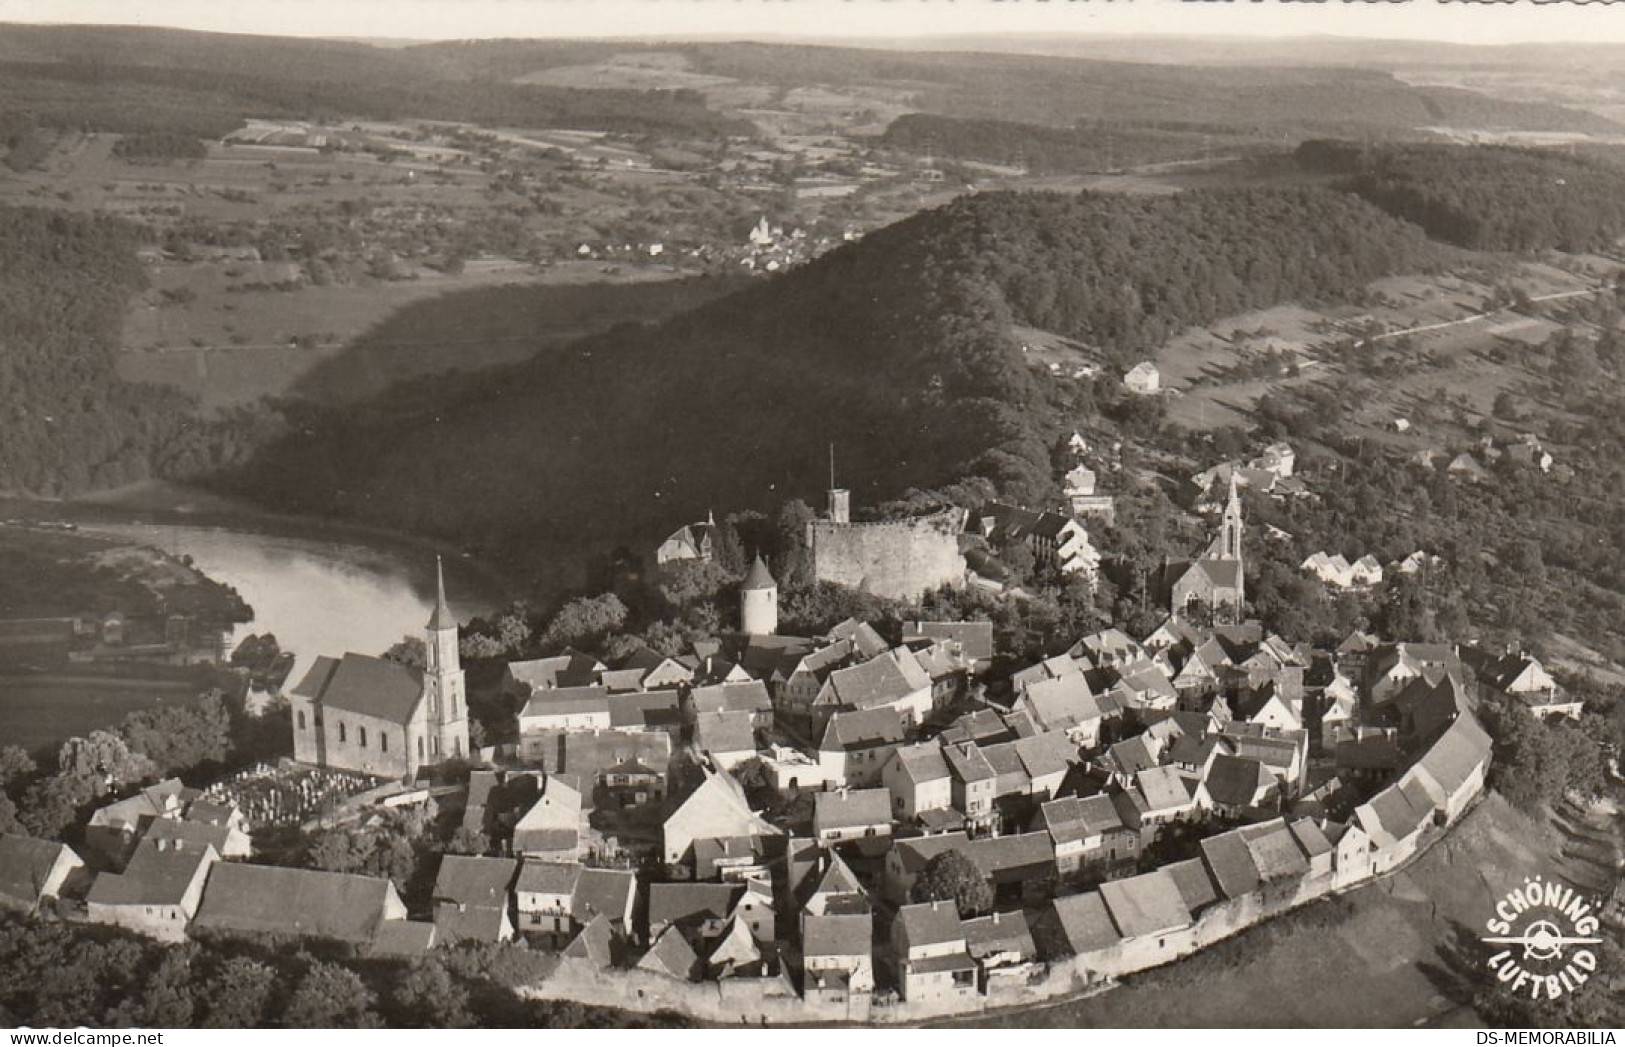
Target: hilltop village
843, 826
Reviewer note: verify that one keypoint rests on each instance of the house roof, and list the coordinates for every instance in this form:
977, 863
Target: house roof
837, 934
999, 855
879, 681
1132, 755
1230, 861
838, 878
588, 754
593, 944
158, 873
851, 809
570, 669
606, 893
862, 729
1164, 788
1236, 781
403, 939
1063, 702
548, 877
1085, 922
1046, 754
1459, 752
750, 696
645, 711
968, 764
974, 638
364, 685
999, 932
186, 831
1276, 853
1195, 883
915, 852
724, 732
566, 701
471, 880
1310, 838
1075, 819
688, 902
929, 923
469, 923
1146, 905
860, 635
268, 899
671, 956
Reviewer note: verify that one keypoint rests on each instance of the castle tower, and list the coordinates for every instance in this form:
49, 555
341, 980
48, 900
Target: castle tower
759, 601
840, 505
443, 680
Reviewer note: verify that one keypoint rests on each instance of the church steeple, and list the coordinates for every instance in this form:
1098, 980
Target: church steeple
443, 679
442, 617
1230, 530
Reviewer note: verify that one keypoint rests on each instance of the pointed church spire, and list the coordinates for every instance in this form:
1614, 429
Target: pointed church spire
442, 617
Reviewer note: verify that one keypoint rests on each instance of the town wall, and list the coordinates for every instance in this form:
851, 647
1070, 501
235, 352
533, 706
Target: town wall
896, 559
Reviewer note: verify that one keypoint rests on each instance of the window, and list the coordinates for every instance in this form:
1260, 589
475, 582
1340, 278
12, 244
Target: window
420, 748
363, 737
341, 732
383, 741
301, 719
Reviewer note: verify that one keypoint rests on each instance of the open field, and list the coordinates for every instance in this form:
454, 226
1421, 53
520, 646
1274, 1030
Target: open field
1390, 954
43, 710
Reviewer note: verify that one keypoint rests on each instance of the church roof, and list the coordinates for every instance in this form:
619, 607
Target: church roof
362, 684
442, 617
759, 577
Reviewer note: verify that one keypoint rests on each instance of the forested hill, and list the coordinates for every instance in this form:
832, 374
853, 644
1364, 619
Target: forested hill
130, 80
67, 423
1486, 198
897, 349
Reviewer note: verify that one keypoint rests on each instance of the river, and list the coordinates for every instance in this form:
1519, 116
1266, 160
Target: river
319, 596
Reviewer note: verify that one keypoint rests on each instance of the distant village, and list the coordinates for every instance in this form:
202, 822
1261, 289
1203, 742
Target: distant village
846, 826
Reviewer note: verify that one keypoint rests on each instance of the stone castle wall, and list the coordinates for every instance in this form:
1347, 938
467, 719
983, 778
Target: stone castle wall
896, 559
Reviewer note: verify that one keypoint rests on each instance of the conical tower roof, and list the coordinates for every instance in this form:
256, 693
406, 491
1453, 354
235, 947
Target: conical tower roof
442, 617
759, 577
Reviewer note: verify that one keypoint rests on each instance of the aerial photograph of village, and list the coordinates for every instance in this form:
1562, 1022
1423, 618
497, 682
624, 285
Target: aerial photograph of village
788, 516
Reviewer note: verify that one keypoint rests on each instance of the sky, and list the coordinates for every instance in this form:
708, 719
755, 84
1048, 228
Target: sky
1457, 21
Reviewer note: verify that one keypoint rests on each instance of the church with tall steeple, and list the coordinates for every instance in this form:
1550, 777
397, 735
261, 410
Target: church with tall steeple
377, 716
1216, 580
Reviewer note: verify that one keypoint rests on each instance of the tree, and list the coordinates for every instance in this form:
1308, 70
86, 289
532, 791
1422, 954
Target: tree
585, 621
468, 840
238, 994
428, 997
52, 804
105, 759
410, 651
330, 997
15, 766
951, 876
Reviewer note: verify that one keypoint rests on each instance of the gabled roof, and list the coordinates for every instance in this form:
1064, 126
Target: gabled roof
187, 832
1230, 861
929, 923
1046, 754
1276, 853
1075, 819
1164, 789
735, 947
879, 681
999, 932
915, 852
1085, 923
861, 635
838, 878
570, 669
1235, 781
672, 903
1146, 905
547, 878
456, 923
470, 880
1460, 751
974, 638
269, 899
724, 732
593, 945
852, 809
158, 873
671, 956
922, 762
1062, 702
367, 686
1195, 883
862, 729
967, 763
604, 893
1310, 838
732, 697
837, 934
645, 711
565, 701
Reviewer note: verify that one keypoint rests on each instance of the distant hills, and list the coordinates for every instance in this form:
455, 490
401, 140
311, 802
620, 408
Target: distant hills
897, 349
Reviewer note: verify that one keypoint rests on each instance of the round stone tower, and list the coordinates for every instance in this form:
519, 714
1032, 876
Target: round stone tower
759, 601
